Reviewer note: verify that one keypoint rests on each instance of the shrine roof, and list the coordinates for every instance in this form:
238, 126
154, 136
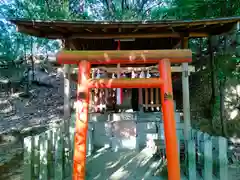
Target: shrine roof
60, 29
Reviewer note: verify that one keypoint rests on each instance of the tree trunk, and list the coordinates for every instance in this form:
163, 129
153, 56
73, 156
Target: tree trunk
213, 80
33, 72
222, 94
27, 80
222, 108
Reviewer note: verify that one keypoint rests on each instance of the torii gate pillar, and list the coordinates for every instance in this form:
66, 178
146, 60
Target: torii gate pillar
163, 57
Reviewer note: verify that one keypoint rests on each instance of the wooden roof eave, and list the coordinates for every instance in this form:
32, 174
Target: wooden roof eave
128, 24
60, 35
167, 28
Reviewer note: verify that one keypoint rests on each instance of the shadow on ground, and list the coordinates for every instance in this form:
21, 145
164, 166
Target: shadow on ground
124, 165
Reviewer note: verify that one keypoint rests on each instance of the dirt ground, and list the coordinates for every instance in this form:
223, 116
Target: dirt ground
43, 107
19, 115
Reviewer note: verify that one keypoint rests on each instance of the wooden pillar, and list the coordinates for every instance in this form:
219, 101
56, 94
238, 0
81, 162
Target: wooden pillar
80, 148
67, 116
67, 93
185, 90
67, 110
169, 121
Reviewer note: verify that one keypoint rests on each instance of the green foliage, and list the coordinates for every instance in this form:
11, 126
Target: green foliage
226, 66
236, 73
14, 44
216, 117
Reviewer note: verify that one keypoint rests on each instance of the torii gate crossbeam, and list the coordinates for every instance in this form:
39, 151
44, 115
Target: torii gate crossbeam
84, 61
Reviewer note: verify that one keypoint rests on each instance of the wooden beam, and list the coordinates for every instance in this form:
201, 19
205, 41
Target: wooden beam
29, 31
153, 69
135, 35
124, 56
123, 35
104, 35
59, 29
124, 83
198, 35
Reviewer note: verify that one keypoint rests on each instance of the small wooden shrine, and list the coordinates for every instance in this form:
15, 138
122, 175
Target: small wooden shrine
128, 35
97, 40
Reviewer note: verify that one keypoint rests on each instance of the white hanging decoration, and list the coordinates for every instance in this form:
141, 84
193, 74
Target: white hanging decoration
120, 90
113, 76
134, 75
98, 76
123, 75
142, 74
148, 74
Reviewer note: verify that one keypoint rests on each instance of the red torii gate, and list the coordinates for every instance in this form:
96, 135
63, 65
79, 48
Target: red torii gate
164, 58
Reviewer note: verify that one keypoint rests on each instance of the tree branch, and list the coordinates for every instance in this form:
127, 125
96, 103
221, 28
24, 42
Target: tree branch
158, 4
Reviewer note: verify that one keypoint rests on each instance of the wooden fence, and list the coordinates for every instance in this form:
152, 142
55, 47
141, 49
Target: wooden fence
206, 156
49, 155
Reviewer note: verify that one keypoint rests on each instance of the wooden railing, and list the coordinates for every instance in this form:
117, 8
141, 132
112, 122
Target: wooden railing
151, 99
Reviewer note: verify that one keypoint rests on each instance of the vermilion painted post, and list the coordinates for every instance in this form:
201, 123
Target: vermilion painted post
80, 148
169, 121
